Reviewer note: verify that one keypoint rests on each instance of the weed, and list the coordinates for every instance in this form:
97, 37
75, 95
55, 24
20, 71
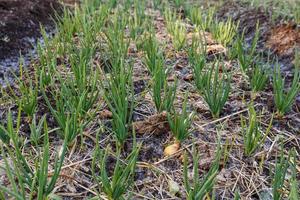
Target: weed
198, 189
252, 133
216, 89
284, 98
181, 122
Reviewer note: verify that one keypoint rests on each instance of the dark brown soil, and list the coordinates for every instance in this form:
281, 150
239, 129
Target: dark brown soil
279, 37
20, 24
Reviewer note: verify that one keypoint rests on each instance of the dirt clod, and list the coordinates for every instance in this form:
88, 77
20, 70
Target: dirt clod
156, 124
284, 39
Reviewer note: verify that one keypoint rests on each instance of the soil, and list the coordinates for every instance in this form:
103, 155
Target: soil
279, 37
284, 38
249, 175
20, 22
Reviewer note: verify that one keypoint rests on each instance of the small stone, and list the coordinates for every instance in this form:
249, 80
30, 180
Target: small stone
173, 187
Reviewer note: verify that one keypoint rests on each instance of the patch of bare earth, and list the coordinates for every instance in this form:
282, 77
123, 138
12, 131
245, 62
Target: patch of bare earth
284, 39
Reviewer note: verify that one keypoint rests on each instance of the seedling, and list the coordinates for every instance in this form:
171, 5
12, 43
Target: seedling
154, 57
70, 109
201, 19
197, 59
246, 57
119, 97
296, 13
121, 180
224, 32
115, 36
237, 195
283, 98
7, 132
163, 94
27, 182
297, 58
178, 3
198, 189
36, 130
216, 89
170, 18
281, 168
28, 98
179, 35
138, 20
47, 59
258, 79
252, 133
71, 94
80, 63
195, 15
181, 122
197, 50
156, 4
294, 185
113, 3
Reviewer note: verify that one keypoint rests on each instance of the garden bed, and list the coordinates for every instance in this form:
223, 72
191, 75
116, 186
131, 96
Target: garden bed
89, 102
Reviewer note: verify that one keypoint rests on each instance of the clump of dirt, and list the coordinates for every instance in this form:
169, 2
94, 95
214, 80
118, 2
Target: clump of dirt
157, 124
20, 22
284, 39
